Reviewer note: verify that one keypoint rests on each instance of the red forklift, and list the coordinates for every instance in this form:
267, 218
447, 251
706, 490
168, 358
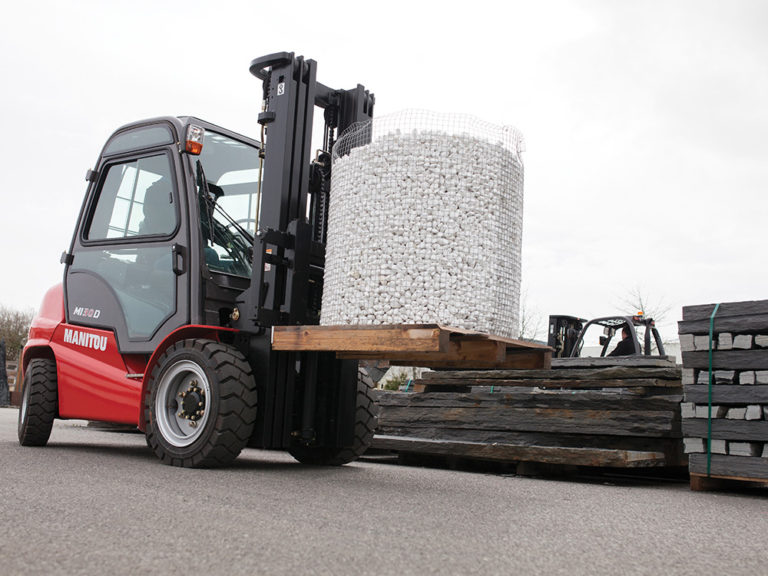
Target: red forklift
192, 243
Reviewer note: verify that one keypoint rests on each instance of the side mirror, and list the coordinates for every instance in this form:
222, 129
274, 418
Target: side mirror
603, 340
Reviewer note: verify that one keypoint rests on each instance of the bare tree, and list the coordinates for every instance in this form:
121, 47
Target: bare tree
639, 300
530, 320
14, 328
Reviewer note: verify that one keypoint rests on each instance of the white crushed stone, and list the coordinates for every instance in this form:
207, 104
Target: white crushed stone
425, 227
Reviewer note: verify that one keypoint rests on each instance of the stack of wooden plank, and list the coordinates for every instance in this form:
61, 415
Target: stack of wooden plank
604, 413
725, 377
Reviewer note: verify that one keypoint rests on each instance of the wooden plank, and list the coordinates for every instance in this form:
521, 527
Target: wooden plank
727, 359
458, 351
744, 308
597, 400
609, 422
734, 467
509, 452
703, 483
724, 429
735, 324
463, 334
517, 359
669, 445
555, 384
726, 394
395, 338
576, 374
622, 361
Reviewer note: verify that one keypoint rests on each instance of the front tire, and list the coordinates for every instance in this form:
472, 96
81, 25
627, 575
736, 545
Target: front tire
201, 408
39, 402
366, 419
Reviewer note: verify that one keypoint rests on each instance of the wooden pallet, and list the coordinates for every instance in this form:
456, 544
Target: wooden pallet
424, 345
704, 483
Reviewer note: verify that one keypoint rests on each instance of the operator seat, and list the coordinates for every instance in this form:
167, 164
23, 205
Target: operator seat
159, 215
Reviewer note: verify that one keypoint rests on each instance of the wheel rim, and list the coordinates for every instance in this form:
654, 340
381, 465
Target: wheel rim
181, 403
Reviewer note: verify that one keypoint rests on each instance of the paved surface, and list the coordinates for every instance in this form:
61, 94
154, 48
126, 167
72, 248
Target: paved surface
96, 502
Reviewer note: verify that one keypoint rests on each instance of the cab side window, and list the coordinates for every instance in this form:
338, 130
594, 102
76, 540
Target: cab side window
136, 199
127, 253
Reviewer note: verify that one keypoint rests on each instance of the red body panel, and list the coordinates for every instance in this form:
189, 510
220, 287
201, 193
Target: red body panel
92, 374
50, 315
93, 382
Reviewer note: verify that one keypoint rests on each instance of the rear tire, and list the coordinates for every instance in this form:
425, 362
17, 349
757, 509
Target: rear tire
39, 402
366, 419
201, 407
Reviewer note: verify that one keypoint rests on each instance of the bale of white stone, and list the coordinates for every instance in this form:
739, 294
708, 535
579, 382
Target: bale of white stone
425, 226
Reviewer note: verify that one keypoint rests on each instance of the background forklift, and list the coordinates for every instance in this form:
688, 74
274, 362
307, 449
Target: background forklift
567, 335
192, 243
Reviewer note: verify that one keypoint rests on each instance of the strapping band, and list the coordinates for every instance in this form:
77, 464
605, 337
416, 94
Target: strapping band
709, 391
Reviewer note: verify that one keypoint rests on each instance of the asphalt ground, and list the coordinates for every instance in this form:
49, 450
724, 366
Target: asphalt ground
99, 502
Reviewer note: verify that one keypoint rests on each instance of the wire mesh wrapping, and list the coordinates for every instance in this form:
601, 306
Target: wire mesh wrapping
425, 224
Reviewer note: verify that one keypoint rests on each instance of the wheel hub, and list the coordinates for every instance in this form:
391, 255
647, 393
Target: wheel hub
192, 402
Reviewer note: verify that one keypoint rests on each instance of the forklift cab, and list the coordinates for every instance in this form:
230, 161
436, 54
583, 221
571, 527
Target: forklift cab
153, 251
603, 337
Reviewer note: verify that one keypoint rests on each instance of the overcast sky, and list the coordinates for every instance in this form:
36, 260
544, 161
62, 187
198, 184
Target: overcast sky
646, 123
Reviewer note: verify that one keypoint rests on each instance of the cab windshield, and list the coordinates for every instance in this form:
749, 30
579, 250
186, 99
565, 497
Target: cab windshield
228, 202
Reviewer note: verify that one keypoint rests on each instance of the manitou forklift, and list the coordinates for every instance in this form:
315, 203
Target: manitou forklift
192, 243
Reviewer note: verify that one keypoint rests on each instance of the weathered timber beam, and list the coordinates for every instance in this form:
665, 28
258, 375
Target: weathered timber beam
670, 446
583, 400
610, 422
620, 361
610, 373
509, 452
430, 379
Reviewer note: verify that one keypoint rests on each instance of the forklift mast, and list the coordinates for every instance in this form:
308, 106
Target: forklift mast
289, 249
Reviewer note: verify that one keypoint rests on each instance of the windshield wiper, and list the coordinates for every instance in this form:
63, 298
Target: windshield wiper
205, 195
234, 223
211, 197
